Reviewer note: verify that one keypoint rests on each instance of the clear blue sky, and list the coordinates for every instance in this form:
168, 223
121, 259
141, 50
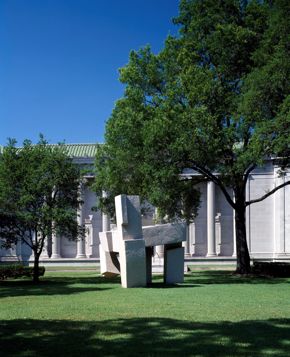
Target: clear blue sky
59, 62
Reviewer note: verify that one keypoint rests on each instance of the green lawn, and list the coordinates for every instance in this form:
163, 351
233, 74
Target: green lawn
214, 313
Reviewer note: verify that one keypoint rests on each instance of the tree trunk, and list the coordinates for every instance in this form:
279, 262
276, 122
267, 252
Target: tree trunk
243, 257
36, 268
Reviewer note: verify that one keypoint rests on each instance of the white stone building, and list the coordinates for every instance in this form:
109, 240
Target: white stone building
211, 236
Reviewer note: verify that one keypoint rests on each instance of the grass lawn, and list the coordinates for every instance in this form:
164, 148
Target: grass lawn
214, 313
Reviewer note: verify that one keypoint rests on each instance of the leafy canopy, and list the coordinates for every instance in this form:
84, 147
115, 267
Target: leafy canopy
214, 100
38, 186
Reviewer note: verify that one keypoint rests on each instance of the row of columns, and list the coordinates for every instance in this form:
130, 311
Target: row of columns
211, 223
211, 234
81, 244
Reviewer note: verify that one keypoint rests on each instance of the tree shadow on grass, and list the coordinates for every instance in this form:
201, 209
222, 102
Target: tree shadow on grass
61, 285
146, 337
229, 277
66, 285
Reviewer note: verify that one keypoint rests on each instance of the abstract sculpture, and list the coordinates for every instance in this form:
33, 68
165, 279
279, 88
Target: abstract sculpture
128, 249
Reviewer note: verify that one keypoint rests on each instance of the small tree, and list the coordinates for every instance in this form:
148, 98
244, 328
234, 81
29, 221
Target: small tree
215, 101
38, 196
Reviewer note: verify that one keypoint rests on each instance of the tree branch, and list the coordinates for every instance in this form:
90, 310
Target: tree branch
26, 242
267, 194
247, 173
204, 171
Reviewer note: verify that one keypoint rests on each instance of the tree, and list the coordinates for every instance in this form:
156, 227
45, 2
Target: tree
215, 100
38, 196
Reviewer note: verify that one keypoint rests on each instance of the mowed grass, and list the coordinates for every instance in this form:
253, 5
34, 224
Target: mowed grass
214, 313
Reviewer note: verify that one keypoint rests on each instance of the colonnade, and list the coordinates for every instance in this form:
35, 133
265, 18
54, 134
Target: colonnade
213, 227
213, 236
55, 240
213, 221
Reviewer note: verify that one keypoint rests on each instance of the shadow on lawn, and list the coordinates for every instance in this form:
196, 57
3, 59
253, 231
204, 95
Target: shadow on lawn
144, 336
56, 285
228, 277
66, 285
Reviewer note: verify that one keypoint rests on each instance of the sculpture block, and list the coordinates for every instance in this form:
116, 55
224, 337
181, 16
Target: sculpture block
129, 225
128, 249
162, 234
109, 263
133, 263
173, 264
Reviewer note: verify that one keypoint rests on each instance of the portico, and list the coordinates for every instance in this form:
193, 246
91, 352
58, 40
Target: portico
212, 234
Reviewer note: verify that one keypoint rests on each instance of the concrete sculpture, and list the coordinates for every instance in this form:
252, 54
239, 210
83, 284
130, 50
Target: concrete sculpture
128, 249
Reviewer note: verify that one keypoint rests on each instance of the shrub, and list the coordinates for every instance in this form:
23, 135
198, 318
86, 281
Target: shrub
14, 271
276, 269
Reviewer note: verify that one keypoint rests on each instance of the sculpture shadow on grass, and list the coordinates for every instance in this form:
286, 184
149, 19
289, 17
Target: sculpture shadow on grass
66, 285
146, 337
72, 285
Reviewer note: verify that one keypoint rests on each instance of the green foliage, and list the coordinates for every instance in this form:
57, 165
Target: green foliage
38, 186
214, 100
273, 269
14, 271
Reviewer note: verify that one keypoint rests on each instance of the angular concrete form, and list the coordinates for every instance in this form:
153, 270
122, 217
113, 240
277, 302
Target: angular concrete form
162, 234
133, 263
128, 217
173, 264
128, 250
109, 263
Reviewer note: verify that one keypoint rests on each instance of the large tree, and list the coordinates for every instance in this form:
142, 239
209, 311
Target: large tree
38, 196
215, 100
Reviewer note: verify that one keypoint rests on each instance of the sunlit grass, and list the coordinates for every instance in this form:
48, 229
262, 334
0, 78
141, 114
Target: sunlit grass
214, 313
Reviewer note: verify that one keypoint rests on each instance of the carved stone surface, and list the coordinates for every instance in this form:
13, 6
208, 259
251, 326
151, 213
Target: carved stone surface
133, 263
128, 217
129, 248
173, 264
162, 234
109, 263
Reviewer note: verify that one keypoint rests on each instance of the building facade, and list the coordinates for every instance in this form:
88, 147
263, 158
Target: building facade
211, 235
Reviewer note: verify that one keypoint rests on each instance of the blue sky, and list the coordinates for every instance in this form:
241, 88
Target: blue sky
59, 62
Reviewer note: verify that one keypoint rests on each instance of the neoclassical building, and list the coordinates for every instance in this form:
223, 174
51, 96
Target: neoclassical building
211, 236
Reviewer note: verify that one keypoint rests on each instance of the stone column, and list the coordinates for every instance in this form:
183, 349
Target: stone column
234, 232
218, 232
279, 215
191, 238
211, 248
55, 249
159, 251
81, 243
89, 236
186, 244
44, 253
18, 249
55, 240
105, 222
105, 218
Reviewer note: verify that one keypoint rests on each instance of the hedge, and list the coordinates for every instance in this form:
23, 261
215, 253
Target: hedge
275, 269
14, 271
